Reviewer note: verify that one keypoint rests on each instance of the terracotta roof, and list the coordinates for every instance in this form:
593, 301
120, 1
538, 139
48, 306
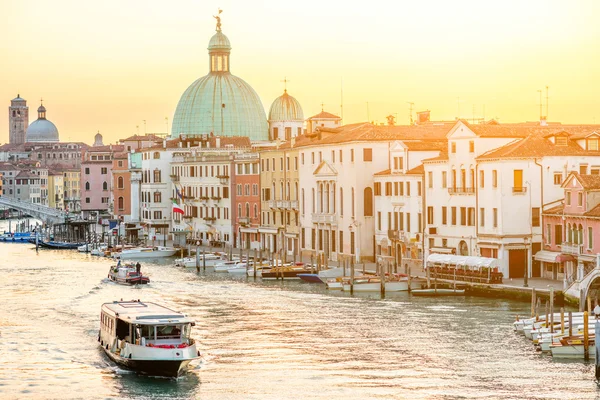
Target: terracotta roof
418, 170
235, 141
536, 146
556, 210
324, 114
8, 167
594, 212
27, 174
441, 157
589, 182
142, 138
385, 172
423, 145
115, 148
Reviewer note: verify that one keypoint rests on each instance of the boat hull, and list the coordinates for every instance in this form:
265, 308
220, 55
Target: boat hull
438, 292
148, 254
313, 278
134, 280
163, 368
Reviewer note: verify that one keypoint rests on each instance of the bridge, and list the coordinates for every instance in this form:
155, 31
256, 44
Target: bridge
47, 214
587, 280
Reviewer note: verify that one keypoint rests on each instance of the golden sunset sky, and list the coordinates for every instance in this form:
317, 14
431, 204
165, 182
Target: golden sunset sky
108, 65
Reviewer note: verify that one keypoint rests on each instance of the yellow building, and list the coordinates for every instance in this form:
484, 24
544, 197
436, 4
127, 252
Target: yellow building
279, 228
71, 189
55, 189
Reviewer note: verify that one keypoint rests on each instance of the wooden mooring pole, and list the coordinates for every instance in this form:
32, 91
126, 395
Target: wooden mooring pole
597, 334
551, 309
586, 337
533, 300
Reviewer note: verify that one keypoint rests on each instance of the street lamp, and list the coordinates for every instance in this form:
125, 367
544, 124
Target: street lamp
526, 273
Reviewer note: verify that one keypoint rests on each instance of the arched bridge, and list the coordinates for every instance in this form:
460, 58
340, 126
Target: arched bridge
48, 214
581, 288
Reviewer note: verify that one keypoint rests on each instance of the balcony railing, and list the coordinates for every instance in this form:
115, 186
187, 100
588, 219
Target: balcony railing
244, 220
519, 189
209, 220
174, 178
293, 204
571, 248
324, 218
461, 190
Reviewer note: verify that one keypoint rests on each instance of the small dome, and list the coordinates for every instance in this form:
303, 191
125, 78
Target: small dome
41, 130
219, 42
18, 98
41, 109
98, 140
286, 108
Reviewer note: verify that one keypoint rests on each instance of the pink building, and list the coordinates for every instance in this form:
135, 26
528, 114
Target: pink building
96, 180
571, 229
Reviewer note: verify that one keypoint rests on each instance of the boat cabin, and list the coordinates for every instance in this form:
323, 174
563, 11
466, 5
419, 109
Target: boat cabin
144, 324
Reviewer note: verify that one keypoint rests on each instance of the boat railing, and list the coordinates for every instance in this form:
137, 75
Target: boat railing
481, 275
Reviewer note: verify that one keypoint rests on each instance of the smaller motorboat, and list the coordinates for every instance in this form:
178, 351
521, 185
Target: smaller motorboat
18, 237
99, 251
240, 269
190, 262
226, 265
127, 274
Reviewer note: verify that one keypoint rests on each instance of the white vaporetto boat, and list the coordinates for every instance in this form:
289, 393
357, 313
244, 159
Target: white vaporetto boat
147, 337
147, 252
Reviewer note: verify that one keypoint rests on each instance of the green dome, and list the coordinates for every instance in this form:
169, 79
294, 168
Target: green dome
286, 108
220, 103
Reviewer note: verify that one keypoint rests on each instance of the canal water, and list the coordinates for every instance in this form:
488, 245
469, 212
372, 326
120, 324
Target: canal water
266, 340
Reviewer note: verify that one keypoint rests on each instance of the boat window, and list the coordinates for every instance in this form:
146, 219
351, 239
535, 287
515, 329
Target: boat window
186, 331
168, 332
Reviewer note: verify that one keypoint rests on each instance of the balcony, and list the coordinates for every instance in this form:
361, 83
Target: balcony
223, 178
273, 204
210, 220
293, 204
324, 219
519, 189
461, 190
244, 220
571, 248
215, 198
174, 178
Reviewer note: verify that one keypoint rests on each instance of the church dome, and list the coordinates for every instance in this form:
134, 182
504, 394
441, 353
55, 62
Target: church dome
41, 130
98, 140
286, 108
219, 42
220, 103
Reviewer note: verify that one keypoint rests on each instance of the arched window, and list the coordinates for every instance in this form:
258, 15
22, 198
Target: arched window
120, 203
239, 210
247, 209
368, 202
104, 186
341, 202
296, 191
255, 210
352, 203
313, 200
120, 184
156, 155
302, 201
87, 186
580, 238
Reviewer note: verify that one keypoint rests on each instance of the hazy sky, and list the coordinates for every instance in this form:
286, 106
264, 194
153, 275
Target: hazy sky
108, 65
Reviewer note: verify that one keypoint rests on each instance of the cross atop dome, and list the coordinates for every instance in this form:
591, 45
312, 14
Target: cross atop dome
285, 81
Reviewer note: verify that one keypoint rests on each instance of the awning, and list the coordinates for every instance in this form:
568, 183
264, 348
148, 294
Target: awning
462, 261
442, 250
552, 256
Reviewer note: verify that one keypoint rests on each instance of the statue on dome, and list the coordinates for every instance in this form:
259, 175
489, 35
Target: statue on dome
218, 20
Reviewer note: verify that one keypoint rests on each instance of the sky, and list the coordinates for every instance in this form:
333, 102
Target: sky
109, 66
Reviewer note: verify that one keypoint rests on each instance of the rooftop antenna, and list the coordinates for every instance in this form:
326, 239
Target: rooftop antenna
322, 106
285, 81
342, 101
546, 102
144, 127
540, 92
410, 109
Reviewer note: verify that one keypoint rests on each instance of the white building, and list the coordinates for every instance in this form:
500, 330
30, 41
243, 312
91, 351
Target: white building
485, 196
399, 201
337, 166
202, 176
286, 118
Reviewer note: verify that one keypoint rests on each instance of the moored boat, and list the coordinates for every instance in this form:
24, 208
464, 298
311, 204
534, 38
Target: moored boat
438, 292
56, 245
147, 252
147, 337
208, 260
285, 272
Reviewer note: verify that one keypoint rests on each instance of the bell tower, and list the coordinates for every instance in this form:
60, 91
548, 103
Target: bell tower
18, 120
